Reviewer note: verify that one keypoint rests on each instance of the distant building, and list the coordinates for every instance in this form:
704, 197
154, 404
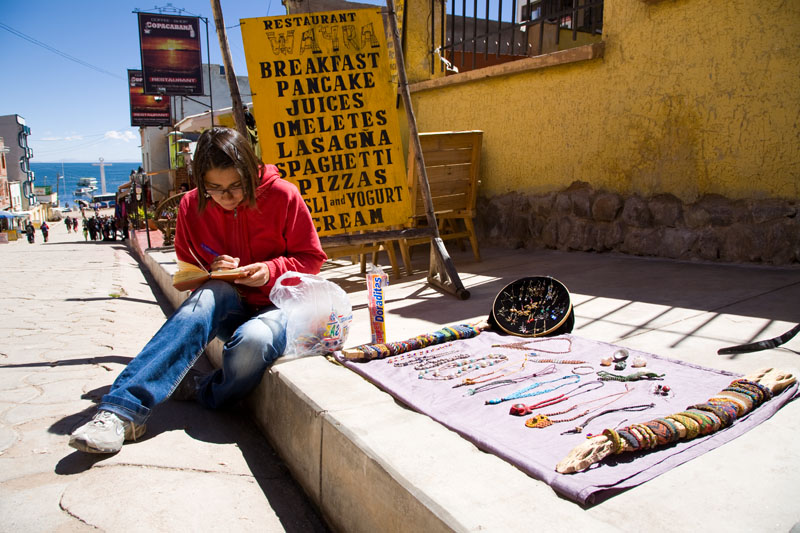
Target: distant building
15, 133
5, 193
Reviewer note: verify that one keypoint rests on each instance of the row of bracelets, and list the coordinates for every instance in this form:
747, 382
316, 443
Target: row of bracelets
733, 402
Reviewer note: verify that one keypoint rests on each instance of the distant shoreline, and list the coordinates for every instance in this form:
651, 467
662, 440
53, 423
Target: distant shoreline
34, 160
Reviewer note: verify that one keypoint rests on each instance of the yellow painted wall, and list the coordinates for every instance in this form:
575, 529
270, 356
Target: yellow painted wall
418, 14
692, 97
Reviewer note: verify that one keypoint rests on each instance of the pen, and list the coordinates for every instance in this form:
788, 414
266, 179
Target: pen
210, 250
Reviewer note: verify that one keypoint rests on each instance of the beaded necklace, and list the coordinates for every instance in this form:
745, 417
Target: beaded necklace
559, 361
632, 408
439, 360
526, 392
492, 375
549, 369
462, 367
544, 420
523, 345
419, 359
520, 409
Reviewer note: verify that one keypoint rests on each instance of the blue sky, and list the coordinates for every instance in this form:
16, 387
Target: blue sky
77, 113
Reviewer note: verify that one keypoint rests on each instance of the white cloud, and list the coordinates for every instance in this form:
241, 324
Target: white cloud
121, 135
67, 138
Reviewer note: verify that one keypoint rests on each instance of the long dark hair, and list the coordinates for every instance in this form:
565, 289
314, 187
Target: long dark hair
223, 148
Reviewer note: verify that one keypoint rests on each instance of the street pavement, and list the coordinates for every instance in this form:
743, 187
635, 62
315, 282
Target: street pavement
74, 313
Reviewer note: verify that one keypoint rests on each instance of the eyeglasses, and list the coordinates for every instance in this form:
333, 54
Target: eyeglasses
233, 190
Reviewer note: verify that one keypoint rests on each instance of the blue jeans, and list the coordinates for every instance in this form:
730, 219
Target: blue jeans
252, 343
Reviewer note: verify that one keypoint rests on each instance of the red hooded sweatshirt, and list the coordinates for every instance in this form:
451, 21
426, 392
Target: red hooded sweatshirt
278, 231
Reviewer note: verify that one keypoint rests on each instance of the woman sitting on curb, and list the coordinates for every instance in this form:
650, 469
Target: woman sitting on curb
242, 215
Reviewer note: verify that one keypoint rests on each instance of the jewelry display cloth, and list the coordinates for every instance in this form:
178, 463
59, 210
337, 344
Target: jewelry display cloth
536, 451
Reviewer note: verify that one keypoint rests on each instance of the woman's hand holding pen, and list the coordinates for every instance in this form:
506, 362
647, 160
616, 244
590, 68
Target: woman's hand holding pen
224, 262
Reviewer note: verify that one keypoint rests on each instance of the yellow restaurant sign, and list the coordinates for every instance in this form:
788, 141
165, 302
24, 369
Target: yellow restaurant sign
325, 107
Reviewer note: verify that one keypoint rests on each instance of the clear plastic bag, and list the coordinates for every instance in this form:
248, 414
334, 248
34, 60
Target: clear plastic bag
318, 313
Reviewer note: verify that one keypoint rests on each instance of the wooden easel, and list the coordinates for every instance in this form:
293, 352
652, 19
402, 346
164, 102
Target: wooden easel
441, 272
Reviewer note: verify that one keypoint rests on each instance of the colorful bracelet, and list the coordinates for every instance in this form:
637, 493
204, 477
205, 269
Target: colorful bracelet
613, 437
730, 408
716, 423
759, 395
679, 427
743, 402
764, 390
629, 439
661, 431
755, 398
703, 423
723, 415
674, 435
691, 425
650, 439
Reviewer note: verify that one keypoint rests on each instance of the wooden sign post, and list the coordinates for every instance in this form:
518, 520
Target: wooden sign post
441, 272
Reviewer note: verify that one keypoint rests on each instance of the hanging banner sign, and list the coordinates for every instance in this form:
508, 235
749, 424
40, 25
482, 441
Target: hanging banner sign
146, 109
171, 59
325, 108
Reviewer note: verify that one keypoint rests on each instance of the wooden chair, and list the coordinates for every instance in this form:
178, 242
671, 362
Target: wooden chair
166, 215
452, 163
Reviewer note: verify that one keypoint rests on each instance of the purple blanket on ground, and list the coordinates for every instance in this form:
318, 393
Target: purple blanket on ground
536, 451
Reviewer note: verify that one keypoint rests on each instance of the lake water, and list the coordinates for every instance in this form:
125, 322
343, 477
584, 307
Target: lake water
116, 175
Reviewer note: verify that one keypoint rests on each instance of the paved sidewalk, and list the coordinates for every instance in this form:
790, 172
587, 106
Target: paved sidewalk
74, 313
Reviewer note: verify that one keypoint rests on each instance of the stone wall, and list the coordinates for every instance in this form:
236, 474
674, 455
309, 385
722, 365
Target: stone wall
580, 218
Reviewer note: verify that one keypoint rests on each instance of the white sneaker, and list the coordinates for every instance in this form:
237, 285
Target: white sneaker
105, 433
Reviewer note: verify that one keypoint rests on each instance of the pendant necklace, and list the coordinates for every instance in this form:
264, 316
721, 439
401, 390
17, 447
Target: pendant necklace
520, 409
523, 345
549, 369
544, 420
632, 408
529, 390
